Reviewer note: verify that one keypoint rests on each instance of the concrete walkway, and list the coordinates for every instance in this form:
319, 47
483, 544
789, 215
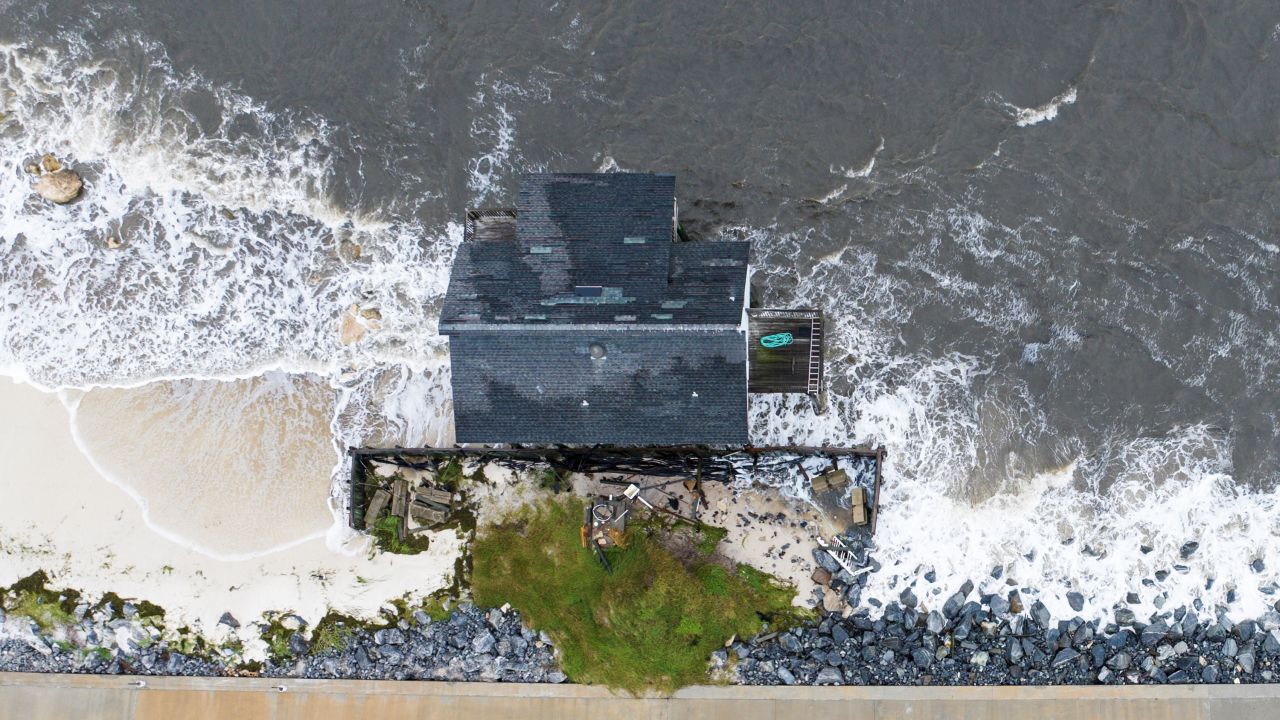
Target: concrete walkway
36, 697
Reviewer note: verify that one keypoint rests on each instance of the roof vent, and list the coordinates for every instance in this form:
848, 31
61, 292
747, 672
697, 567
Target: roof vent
597, 351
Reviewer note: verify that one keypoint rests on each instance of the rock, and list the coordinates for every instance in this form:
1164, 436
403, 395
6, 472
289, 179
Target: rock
966, 588
980, 658
484, 642
825, 561
298, 645
1210, 674
1246, 630
821, 576
1064, 656
1188, 549
839, 635
1257, 565
352, 327
1120, 661
922, 658
935, 623
50, 164
999, 606
555, 676
1015, 602
1124, 616
1040, 614
786, 676
60, 187
829, 676
1246, 660
952, 607
1154, 633
789, 642
1271, 643
1229, 648
908, 598
1076, 600
229, 620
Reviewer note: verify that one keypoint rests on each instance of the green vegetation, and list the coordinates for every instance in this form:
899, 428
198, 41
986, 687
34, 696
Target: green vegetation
47, 614
651, 623
710, 538
549, 479
386, 537
333, 633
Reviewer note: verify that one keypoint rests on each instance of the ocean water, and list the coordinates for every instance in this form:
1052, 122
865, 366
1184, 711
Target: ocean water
1043, 236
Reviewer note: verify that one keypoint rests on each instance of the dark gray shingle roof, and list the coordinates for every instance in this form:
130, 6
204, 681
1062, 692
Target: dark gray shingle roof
651, 388
593, 250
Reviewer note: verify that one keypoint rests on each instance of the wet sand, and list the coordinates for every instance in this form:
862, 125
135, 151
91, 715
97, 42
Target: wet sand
63, 517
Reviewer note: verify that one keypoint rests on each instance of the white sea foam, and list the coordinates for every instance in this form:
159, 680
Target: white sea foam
236, 262
865, 170
1082, 526
1024, 117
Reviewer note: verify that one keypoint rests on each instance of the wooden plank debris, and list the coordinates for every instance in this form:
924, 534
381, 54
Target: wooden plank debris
376, 505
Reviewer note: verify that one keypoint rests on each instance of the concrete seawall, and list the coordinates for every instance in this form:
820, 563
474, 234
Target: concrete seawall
35, 697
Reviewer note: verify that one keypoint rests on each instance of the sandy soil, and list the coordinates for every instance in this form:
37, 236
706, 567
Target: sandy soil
60, 515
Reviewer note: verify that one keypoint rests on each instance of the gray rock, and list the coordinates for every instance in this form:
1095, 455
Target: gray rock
555, 676
826, 562
1040, 614
1064, 656
1257, 565
1271, 643
786, 676
922, 658
484, 642
839, 635
980, 658
1188, 549
1120, 661
229, 620
999, 605
789, 642
952, 607
1246, 660
1154, 633
908, 598
1076, 600
935, 623
1229, 648
1124, 616
829, 676
298, 645
1210, 674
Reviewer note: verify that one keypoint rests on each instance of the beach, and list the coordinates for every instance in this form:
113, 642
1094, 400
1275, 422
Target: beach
90, 534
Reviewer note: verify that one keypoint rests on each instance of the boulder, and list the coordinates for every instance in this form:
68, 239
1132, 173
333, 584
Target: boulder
1076, 600
60, 187
829, 676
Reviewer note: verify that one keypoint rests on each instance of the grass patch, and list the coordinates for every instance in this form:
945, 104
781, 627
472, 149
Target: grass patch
651, 623
333, 633
709, 537
386, 536
48, 615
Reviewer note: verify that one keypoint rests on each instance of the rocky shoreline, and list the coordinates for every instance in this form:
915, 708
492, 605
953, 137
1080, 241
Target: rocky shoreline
468, 645
975, 640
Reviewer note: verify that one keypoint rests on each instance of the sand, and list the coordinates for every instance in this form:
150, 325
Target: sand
61, 515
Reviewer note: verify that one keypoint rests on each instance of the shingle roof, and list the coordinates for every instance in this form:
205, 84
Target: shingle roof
651, 388
595, 250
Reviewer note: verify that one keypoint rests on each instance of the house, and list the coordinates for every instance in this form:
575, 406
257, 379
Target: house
579, 317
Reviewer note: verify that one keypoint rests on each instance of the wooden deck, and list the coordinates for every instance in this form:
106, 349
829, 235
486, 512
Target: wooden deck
792, 368
490, 224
